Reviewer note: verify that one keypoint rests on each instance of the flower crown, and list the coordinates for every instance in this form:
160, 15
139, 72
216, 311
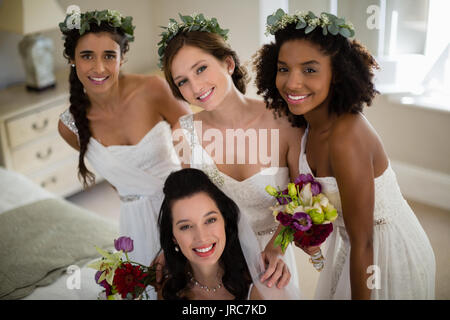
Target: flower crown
196, 22
81, 21
329, 23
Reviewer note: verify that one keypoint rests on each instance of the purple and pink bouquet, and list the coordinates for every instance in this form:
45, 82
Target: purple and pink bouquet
304, 211
122, 279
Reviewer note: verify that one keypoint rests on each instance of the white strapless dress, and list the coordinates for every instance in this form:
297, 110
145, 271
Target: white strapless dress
401, 249
249, 194
138, 173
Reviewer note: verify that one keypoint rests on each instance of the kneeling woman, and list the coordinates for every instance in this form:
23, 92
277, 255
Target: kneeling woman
199, 235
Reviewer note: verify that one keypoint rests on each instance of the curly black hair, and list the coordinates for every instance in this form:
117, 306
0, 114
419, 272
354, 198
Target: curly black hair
236, 278
352, 72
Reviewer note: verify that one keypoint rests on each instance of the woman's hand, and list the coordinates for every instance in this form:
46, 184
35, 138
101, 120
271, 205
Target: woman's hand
159, 264
277, 271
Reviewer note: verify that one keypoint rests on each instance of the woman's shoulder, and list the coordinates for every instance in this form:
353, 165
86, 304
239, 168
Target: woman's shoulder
351, 131
348, 126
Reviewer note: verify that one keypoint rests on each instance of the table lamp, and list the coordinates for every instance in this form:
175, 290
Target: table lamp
29, 18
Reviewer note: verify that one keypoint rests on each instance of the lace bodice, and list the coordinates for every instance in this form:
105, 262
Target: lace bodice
154, 153
249, 194
401, 250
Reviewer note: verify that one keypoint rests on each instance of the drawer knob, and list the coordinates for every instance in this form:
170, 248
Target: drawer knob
39, 128
49, 181
45, 156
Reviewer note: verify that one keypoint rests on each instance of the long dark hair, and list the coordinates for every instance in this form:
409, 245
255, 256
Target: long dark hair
236, 278
209, 42
79, 101
352, 69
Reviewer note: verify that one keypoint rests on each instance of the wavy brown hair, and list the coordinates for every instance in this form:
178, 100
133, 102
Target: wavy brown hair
351, 65
211, 43
79, 101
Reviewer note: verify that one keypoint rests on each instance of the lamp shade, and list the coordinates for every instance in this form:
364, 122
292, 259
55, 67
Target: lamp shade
30, 16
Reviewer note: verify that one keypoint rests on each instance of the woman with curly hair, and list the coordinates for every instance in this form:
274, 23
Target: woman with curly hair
319, 78
204, 70
120, 122
199, 236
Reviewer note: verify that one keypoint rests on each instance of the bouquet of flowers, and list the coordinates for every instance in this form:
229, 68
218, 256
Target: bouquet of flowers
305, 213
122, 279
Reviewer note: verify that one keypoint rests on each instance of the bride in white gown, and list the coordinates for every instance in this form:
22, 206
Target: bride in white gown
202, 69
122, 125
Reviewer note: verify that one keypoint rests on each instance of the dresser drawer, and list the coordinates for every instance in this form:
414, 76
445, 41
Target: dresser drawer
60, 179
40, 153
34, 125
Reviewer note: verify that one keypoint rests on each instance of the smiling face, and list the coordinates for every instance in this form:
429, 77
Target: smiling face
98, 61
303, 76
199, 229
202, 79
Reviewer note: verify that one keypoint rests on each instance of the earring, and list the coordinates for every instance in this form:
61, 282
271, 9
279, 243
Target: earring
176, 248
73, 65
230, 71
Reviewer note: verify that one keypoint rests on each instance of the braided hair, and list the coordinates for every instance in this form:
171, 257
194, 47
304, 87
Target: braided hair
79, 100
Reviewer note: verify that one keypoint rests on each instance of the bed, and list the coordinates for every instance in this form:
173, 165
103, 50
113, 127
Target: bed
46, 243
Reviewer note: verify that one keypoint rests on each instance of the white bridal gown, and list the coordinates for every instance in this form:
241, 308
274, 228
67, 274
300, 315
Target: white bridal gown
250, 196
138, 173
402, 251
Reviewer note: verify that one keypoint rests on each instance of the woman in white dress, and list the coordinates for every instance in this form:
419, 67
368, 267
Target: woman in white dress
202, 69
322, 80
199, 236
120, 123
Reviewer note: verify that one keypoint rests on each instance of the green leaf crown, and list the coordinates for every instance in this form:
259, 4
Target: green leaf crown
195, 22
76, 20
309, 21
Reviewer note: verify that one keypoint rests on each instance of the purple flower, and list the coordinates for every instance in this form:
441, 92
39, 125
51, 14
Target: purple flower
303, 179
104, 284
316, 188
283, 200
124, 243
303, 222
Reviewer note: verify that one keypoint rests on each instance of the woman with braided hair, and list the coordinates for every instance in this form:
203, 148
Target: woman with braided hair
120, 123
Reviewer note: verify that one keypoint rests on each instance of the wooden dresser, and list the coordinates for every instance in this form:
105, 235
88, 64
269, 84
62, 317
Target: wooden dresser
29, 138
